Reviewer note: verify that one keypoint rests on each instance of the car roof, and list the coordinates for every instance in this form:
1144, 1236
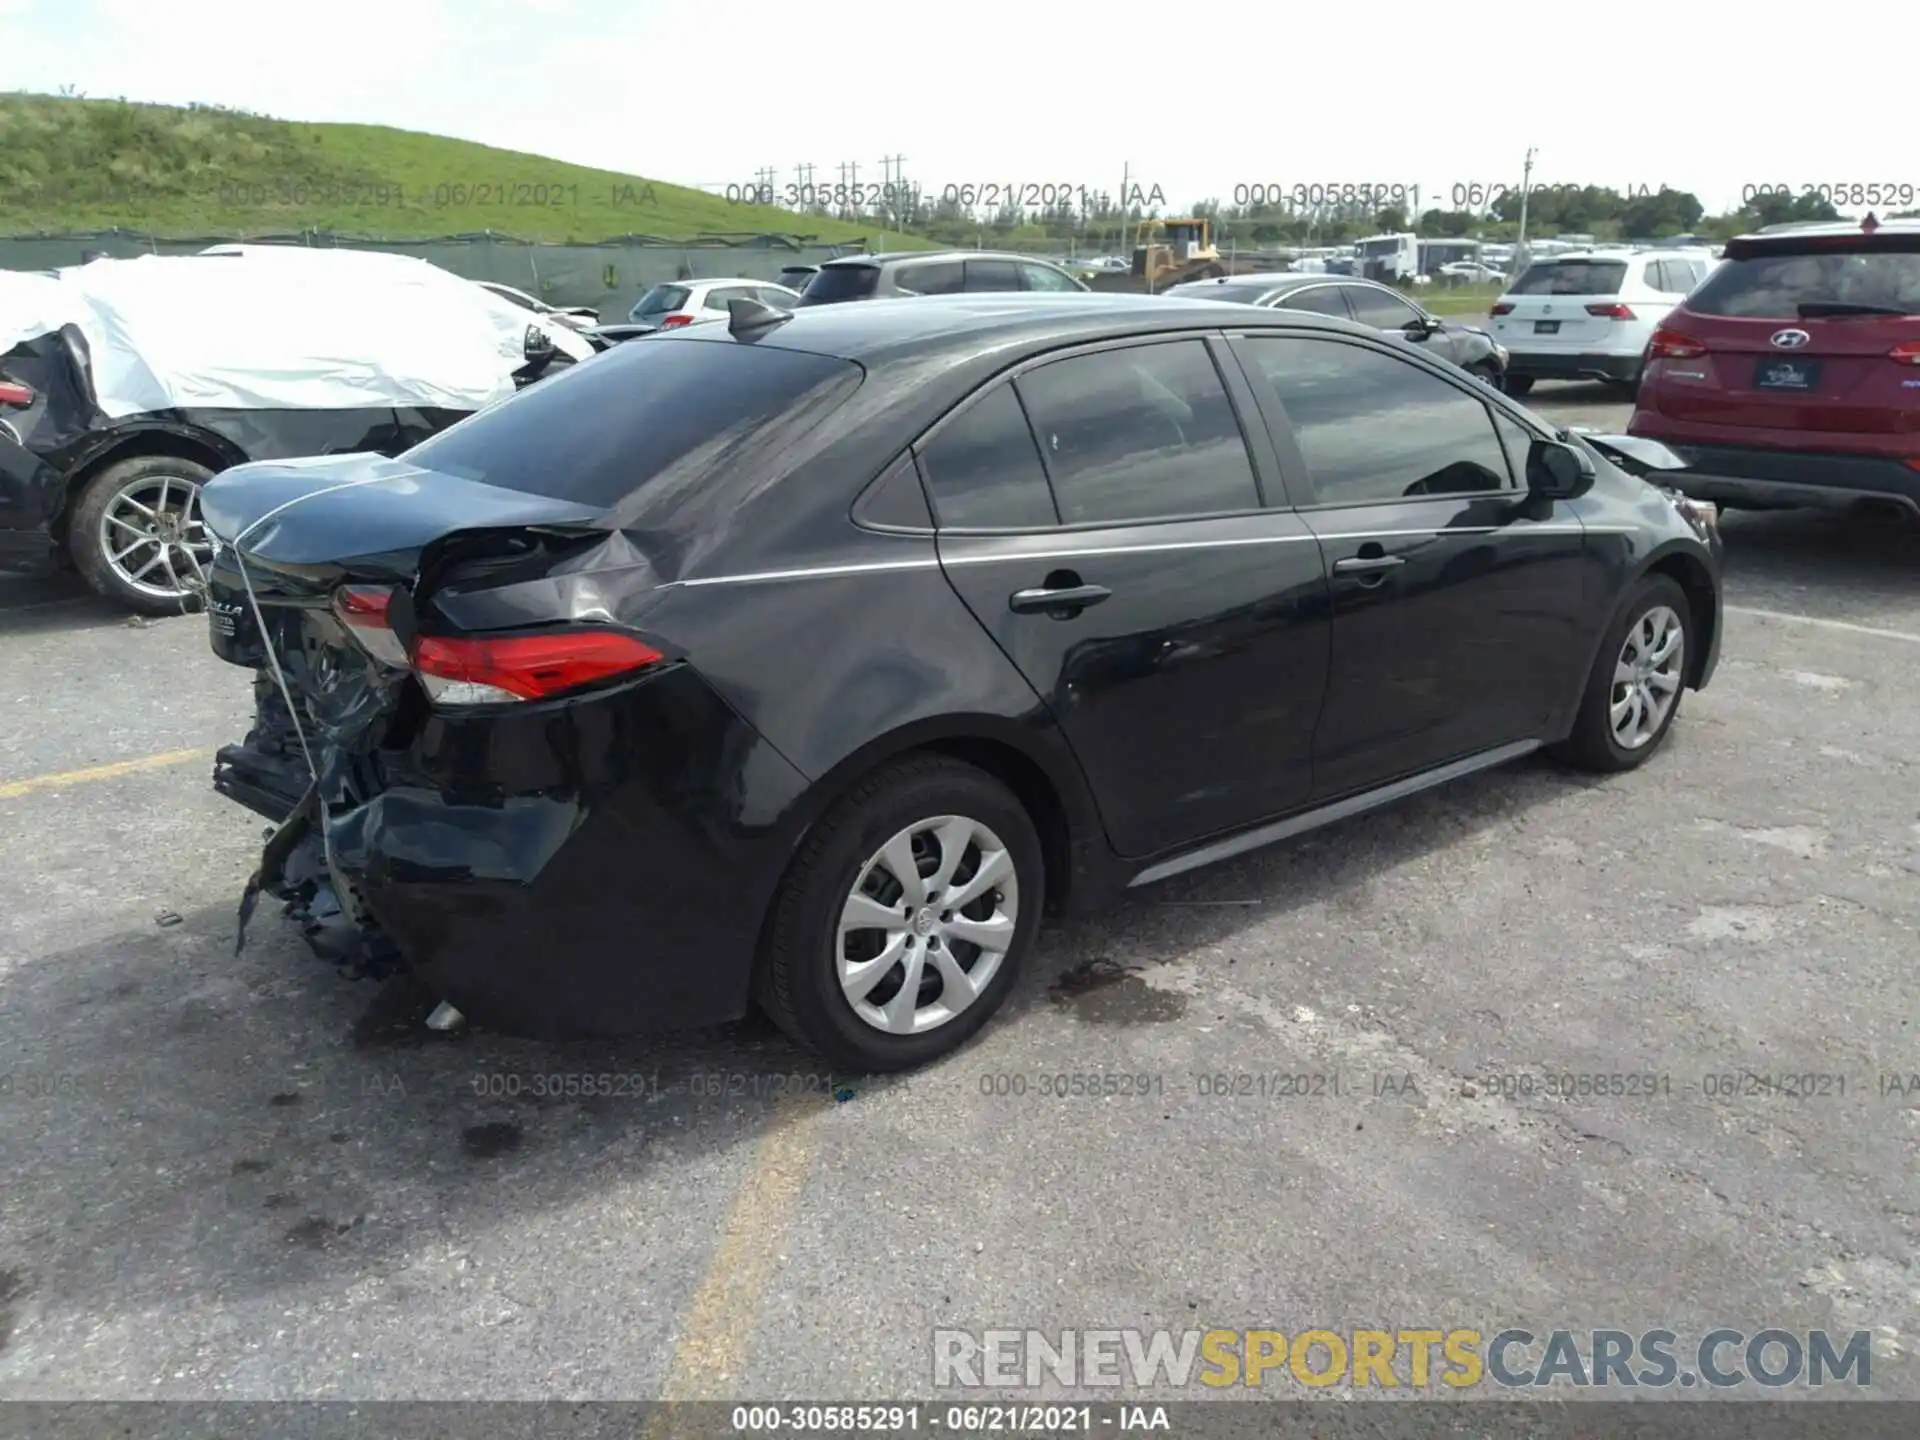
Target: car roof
927, 326
728, 280
890, 257
1900, 226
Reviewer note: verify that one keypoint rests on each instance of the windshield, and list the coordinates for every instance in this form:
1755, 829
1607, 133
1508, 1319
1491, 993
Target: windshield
1775, 286
662, 299
1572, 277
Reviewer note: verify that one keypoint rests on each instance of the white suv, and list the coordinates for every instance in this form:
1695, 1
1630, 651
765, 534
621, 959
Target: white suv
694, 302
1589, 315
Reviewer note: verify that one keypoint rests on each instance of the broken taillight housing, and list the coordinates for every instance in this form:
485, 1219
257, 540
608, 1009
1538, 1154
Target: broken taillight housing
491, 670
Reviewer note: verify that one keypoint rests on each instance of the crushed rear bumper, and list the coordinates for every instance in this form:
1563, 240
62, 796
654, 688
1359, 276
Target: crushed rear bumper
1782, 479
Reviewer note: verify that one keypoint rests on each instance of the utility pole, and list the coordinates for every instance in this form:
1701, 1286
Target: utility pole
766, 176
892, 194
1526, 187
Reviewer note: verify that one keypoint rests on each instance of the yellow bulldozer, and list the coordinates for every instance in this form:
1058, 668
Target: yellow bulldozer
1166, 253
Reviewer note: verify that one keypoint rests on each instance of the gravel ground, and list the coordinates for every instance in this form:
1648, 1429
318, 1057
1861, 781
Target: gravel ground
242, 1177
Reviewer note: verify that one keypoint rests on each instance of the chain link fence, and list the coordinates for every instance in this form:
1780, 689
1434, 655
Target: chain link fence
609, 275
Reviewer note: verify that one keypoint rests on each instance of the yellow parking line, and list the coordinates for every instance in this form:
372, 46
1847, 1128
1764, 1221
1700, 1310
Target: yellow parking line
712, 1349
11, 788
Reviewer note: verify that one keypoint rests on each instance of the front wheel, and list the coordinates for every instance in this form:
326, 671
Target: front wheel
1519, 384
906, 917
137, 537
1489, 373
1633, 695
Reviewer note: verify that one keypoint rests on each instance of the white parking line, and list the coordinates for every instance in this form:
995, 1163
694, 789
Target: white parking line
1846, 625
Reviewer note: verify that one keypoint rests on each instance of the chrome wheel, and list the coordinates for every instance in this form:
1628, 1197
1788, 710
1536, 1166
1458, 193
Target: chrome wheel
927, 925
153, 538
1647, 677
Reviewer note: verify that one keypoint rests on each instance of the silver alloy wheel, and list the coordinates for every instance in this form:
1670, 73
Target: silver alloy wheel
927, 925
153, 537
1647, 677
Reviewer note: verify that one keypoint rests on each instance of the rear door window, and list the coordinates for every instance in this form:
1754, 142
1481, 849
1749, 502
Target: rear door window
993, 276
940, 277
984, 470
717, 299
1145, 432
660, 416
1572, 277
1773, 286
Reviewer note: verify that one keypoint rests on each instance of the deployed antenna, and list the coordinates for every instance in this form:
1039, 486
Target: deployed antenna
750, 317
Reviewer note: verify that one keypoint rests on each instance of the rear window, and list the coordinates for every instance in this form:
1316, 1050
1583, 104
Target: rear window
1773, 287
663, 415
661, 299
840, 282
1571, 277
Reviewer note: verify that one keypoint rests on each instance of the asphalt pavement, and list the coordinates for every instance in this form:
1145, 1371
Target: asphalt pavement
240, 1176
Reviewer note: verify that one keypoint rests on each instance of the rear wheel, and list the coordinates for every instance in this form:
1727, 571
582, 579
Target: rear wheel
905, 918
1487, 372
1633, 695
137, 537
1519, 384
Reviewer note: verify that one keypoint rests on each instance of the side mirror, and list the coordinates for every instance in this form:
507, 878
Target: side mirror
1558, 471
538, 344
1421, 327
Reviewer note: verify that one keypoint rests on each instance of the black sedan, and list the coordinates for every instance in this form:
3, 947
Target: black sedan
810, 658
1370, 303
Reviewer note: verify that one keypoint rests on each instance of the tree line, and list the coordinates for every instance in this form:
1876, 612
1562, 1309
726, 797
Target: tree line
1095, 221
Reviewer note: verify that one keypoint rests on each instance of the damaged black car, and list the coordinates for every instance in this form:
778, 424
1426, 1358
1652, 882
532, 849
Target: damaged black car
807, 660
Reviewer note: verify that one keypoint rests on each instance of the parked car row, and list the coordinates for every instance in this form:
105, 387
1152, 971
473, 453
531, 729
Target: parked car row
1590, 315
868, 633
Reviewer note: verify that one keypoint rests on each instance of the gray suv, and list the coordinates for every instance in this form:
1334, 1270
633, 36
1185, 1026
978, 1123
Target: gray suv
935, 272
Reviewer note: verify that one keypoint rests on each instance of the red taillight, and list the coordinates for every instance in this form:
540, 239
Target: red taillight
462, 670
1907, 352
1610, 312
468, 670
673, 321
1672, 345
1501, 307
12, 392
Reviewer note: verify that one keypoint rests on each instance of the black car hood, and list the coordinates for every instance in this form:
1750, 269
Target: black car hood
331, 509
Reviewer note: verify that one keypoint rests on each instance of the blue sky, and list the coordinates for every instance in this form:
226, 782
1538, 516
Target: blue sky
706, 92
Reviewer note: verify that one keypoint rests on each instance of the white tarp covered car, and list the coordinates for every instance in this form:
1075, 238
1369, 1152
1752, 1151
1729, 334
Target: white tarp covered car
125, 384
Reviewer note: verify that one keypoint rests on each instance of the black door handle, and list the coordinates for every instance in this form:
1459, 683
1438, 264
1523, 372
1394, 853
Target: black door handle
1365, 564
1062, 596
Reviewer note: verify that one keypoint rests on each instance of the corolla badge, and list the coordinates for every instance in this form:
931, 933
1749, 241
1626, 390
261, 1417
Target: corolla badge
1790, 339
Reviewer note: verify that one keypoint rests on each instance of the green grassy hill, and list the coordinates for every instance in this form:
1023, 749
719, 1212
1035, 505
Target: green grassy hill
77, 164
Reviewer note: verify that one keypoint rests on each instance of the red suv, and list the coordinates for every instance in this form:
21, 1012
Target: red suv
1792, 375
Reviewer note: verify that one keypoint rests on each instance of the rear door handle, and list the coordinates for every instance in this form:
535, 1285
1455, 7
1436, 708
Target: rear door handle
1365, 564
1061, 601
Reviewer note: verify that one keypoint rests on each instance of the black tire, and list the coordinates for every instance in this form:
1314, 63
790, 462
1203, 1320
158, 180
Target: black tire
1487, 372
1519, 384
798, 980
84, 539
1592, 744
